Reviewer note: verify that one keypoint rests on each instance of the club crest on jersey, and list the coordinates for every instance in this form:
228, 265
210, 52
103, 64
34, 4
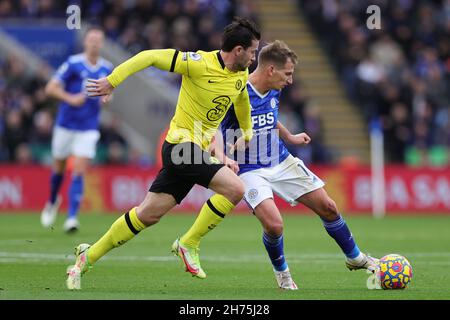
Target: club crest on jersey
194, 56
273, 103
252, 194
238, 84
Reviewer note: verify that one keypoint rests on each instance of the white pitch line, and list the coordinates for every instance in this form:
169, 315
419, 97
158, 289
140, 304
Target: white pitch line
294, 258
42, 257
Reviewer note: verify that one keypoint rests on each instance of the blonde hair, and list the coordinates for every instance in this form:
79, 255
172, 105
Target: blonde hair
278, 53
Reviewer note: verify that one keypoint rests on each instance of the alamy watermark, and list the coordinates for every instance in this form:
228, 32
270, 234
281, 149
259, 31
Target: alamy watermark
374, 20
73, 20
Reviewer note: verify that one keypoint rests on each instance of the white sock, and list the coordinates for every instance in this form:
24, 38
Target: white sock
287, 269
357, 260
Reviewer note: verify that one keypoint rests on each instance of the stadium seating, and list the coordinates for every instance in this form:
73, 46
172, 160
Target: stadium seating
399, 73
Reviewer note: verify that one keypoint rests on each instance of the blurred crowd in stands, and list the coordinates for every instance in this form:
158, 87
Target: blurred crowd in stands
27, 118
27, 115
399, 73
299, 113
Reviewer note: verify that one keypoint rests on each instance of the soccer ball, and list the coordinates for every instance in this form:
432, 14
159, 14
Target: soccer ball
395, 272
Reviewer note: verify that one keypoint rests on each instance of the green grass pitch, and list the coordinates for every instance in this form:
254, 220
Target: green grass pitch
33, 260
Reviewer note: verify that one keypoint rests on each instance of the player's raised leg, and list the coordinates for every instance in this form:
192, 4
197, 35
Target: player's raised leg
149, 212
272, 223
229, 191
319, 201
50, 211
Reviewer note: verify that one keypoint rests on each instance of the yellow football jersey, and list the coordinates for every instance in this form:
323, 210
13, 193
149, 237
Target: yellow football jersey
207, 91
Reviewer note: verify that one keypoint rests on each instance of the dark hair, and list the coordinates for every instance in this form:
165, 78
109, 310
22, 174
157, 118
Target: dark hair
277, 52
241, 32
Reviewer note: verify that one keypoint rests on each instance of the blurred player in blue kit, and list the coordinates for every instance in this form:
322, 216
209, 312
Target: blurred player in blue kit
267, 167
76, 130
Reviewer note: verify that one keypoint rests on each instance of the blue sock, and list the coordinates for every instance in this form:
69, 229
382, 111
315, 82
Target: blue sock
55, 184
339, 231
275, 249
75, 195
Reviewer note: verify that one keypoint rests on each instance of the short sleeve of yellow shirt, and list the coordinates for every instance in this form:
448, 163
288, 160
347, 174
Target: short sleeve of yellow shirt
207, 91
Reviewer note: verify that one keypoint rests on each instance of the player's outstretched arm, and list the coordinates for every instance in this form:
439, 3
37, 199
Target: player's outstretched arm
163, 59
286, 135
160, 58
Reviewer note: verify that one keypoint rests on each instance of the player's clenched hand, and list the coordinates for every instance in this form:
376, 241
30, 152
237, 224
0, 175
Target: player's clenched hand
299, 139
230, 163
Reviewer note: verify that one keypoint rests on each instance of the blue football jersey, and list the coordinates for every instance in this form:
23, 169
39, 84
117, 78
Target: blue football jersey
265, 149
73, 75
